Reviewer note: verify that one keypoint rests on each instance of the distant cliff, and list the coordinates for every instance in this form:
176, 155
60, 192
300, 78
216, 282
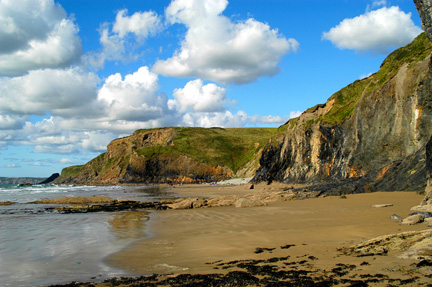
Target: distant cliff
174, 155
20, 180
371, 134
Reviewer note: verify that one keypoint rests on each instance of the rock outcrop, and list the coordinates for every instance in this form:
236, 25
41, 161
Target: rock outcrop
371, 135
409, 245
258, 198
50, 179
424, 8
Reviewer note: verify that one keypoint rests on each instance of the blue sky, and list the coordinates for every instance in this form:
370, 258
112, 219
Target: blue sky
76, 74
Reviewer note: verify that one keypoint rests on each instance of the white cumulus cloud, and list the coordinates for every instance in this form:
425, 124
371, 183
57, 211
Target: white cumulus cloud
217, 49
50, 101
36, 34
142, 24
197, 97
376, 31
121, 39
135, 97
55, 91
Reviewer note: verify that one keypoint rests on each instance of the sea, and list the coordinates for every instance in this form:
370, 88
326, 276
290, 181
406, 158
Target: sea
39, 247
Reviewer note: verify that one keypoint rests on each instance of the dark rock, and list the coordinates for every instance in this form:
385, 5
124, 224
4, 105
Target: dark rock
26, 184
424, 214
50, 179
424, 8
424, 263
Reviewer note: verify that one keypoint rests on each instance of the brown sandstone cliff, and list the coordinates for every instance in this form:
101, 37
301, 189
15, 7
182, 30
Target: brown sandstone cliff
174, 155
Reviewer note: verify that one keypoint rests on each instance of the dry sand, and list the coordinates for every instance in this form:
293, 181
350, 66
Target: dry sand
197, 240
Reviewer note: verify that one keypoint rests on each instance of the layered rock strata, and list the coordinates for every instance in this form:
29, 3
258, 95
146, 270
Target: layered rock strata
369, 136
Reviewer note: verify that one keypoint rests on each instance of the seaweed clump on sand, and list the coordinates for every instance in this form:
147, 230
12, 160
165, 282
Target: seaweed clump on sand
277, 271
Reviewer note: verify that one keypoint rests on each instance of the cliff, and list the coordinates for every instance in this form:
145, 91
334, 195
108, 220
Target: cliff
20, 180
424, 8
174, 155
371, 135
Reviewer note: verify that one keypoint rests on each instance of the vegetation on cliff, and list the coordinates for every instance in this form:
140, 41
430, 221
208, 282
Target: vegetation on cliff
174, 154
374, 129
345, 100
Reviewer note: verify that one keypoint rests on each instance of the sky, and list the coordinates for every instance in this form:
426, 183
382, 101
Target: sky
76, 74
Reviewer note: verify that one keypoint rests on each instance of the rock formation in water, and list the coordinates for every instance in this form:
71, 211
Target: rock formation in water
371, 135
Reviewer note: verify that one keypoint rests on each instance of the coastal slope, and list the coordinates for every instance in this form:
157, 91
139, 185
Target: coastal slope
174, 155
371, 135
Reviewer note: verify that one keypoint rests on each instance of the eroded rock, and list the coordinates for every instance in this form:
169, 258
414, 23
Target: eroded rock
413, 219
187, 203
411, 244
249, 202
424, 7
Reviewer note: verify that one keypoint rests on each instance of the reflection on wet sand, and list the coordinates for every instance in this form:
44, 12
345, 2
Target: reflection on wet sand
129, 224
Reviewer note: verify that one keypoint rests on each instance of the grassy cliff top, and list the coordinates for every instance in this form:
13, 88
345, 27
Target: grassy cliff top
347, 98
230, 147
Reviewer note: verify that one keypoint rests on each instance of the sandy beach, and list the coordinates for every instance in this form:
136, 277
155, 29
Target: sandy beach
208, 240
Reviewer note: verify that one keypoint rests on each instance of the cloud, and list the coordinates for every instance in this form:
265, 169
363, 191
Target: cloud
197, 97
294, 114
36, 34
64, 92
142, 24
60, 107
65, 160
377, 3
215, 119
216, 49
121, 39
11, 122
12, 165
135, 98
363, 76
376, 31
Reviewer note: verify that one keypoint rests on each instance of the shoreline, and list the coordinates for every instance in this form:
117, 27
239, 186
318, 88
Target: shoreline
291, 235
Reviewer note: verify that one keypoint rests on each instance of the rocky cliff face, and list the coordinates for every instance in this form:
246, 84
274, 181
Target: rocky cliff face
173, 155
424, 7
372, 133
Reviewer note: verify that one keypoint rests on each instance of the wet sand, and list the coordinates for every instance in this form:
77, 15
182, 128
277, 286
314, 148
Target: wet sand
201, 241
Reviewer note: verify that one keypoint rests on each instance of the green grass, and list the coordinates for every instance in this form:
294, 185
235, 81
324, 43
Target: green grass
72, 171
347, 99
233, 147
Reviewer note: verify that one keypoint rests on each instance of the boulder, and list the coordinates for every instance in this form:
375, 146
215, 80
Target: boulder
413, 219
249, 202
411, 244
187, 203
226, 200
